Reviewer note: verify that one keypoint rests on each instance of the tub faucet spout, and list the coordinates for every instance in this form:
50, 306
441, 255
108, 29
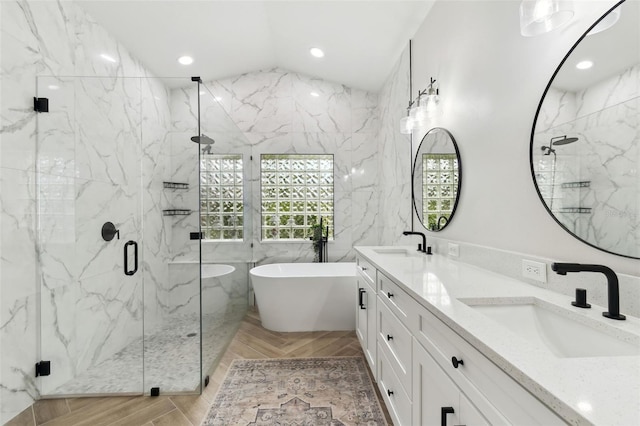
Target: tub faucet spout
423, 247
612, 284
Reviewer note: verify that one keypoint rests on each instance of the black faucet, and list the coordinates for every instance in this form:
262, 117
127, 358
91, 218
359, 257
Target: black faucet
438, 226
612, 283
423, 248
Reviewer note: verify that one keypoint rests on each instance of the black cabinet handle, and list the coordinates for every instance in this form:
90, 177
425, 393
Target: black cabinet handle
362, 268
443, 414
361, 292
389, 337
126, 257
389, 392
456, 362
389, 295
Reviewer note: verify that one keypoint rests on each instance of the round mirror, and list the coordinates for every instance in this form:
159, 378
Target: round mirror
436, 178
584, 142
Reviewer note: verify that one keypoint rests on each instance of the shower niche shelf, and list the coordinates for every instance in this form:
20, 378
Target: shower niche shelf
176, 212
583, 210
175, 185
580, 184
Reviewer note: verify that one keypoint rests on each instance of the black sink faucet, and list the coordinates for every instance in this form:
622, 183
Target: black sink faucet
423, 247
612, 283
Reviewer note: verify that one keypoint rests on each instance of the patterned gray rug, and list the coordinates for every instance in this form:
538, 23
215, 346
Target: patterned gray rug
297, 391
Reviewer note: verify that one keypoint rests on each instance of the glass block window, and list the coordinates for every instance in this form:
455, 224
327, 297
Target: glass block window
296, 190
439, 186
221, 192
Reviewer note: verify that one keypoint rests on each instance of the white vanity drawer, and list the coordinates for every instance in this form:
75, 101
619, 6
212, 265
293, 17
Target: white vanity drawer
477, 376
395, 339
395, 298
398, 402
367, 270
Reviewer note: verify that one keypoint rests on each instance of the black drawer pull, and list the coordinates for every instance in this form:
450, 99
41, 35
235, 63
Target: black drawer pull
362, 268
389, 337
389, 392
389, 295
443, 414
361, 292
456, 362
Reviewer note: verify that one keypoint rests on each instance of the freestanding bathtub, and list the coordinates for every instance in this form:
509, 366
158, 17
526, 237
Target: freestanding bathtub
306, 296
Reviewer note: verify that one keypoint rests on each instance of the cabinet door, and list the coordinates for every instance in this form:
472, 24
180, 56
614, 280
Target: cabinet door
436, 399
361, 311
366, 320
371, 348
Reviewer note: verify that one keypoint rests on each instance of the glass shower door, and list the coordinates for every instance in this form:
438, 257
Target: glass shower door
88, 174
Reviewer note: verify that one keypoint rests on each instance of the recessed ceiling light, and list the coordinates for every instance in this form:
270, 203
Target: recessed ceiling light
316, 52
53, 87
185, 60
217, 98
202, 92
108, 58
314, 94
584, 65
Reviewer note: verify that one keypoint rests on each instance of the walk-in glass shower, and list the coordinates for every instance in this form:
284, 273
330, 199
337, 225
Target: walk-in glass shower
130, 298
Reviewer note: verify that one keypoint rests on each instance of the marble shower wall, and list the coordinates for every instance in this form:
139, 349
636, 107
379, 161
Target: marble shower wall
605, 118
62, 175
394, 162
272, 111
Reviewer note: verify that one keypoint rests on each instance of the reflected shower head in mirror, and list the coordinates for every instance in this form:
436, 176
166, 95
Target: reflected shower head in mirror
556, 141
202, 139
562, 140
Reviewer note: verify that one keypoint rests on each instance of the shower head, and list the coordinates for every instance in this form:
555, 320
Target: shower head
207, 149
202, 139
562, 140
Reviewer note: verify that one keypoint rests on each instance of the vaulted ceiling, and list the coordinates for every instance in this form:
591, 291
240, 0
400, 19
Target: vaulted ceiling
361, 39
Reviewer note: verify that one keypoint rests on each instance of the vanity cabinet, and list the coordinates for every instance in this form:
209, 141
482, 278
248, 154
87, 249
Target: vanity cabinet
426, 372
366, 311
436, 398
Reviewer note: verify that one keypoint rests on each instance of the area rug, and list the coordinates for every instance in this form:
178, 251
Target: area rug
298, 391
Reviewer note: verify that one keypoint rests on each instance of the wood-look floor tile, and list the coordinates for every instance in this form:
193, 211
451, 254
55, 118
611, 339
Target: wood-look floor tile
105, 411
25, 418
172, 418
146, 413
194, 408
48, 409
251, 342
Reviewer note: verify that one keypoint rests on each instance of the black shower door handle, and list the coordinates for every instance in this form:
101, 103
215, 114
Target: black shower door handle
126, 257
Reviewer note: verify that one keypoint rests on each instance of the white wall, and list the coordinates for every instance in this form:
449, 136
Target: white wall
491, 80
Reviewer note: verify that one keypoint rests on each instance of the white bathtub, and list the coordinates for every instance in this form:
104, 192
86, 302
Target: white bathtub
306, 296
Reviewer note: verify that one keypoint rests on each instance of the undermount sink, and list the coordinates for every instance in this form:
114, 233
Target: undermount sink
564, 333
397, 251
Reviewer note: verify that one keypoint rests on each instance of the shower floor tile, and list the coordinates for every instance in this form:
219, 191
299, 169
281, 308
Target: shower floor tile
171, 360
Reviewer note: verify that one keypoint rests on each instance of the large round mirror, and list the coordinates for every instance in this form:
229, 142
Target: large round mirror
436, 178
584, 142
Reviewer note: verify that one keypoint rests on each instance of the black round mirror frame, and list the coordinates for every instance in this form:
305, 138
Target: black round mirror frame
533, 129
413, 171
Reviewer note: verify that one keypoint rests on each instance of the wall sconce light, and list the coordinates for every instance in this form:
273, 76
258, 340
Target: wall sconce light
421, 109
542, 16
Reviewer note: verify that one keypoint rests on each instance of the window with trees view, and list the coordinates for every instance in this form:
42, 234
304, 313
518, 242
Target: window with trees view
221, 193
440, 184
296, 190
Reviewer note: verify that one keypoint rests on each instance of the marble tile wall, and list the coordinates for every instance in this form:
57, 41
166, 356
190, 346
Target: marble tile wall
395, 161
605, 118
62, 175
272, 111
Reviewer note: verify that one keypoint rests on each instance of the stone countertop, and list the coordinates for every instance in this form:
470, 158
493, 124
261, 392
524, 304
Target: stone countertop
586, 390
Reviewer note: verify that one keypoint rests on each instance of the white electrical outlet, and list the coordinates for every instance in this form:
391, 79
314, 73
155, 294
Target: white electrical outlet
534, 270
454, 250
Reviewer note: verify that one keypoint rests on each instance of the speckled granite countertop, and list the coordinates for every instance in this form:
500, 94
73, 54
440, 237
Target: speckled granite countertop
586, 390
